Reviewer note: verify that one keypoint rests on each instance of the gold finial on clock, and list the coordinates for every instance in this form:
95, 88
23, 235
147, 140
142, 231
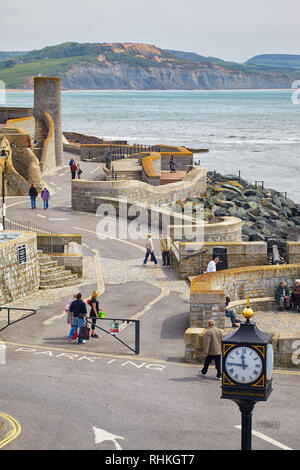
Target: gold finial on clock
248, 312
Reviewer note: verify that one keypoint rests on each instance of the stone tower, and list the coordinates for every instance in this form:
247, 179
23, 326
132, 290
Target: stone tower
47, 98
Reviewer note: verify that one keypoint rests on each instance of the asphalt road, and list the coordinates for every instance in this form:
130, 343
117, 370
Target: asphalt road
100, 395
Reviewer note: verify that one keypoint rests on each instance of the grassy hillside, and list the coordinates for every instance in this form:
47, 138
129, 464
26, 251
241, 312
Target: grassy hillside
18, 71
286, 61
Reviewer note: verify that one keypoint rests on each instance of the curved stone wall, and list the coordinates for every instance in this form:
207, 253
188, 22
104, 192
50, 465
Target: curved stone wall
84, 192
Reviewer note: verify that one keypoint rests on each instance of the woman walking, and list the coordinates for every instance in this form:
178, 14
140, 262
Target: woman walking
45, 195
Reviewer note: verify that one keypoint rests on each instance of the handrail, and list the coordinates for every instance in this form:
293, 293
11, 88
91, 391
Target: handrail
9, 322
136, 350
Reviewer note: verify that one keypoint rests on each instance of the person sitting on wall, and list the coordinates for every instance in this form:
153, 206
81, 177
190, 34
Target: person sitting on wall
229, 313
295, 295
283, 296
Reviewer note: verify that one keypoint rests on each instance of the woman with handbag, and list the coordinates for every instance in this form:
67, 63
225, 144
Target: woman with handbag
149, 250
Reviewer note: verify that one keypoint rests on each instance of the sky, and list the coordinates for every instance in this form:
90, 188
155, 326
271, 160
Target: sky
228, 29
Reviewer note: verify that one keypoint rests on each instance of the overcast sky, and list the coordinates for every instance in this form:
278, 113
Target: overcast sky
229, 29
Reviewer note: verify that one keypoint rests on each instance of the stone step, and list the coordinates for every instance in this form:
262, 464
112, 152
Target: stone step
63, 283
61, 278
52, 270
55, 275
48, 264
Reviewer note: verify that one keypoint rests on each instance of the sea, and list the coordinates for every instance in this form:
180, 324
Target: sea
254, 132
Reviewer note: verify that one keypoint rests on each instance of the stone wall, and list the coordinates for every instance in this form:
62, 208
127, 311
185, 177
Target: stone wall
191, 258
18, 280
14, 113
56, 242
293, 252
208, 290
282, 346
25, 123
218, 229
84, 193
151, 169
182, 158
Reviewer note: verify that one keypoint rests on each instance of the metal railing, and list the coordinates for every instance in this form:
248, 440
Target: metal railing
136, 349
9, 309
25, 225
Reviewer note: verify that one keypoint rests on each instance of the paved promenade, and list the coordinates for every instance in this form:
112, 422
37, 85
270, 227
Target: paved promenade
100, 391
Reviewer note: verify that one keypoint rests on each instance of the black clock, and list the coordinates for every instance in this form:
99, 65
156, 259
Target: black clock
247, 363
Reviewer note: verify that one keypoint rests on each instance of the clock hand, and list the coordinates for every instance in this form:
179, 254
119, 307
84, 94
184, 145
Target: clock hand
235, 364
243, 360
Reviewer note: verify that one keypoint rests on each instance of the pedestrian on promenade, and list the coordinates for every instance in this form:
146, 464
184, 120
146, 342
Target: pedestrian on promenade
229, 313
94, 313
33, 195
295, 295
212, 348
45, 195
212, 265
71, 162
79, 171
172, 165
283, 296
149, 250
73, 169
166, 247
77, 315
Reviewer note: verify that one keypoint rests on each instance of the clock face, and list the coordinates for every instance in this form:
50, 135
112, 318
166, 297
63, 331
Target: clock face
243, 364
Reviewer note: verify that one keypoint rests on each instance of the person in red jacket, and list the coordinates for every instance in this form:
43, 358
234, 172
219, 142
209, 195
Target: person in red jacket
73, 169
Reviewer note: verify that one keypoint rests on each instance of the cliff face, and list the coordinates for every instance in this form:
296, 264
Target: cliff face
164, 77
138, 66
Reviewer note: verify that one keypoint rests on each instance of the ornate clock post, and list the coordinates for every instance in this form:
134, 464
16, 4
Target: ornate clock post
247, 364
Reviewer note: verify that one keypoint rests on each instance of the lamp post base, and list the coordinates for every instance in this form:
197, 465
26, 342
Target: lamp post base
246, 408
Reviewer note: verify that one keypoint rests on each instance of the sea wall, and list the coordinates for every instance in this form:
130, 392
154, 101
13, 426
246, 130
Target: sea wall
26, 123
14, 113
85, 192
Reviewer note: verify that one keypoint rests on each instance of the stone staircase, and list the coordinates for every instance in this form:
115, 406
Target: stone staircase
54, 276
125, 169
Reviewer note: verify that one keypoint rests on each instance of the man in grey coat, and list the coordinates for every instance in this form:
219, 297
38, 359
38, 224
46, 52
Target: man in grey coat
212, 348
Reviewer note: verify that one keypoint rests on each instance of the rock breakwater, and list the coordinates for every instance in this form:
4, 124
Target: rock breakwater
266, 213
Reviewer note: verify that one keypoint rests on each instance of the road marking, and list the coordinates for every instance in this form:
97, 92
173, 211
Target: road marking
267, 438
97, 354
101, 435
94, 170
160, 275
99, 272
16, 430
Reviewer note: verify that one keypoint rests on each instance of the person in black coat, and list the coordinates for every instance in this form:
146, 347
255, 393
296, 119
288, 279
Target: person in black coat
33, 195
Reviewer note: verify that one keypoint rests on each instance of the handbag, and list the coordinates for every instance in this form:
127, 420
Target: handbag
152, 256
84, 332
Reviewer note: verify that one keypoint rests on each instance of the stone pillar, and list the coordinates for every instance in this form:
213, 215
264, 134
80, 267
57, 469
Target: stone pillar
47, 98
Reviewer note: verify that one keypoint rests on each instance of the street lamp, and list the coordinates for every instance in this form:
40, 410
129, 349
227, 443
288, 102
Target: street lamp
3, 154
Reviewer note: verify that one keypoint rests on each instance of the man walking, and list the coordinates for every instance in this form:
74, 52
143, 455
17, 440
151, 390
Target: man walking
166, 246
33, 195
149, 250
212, 348
78, 313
